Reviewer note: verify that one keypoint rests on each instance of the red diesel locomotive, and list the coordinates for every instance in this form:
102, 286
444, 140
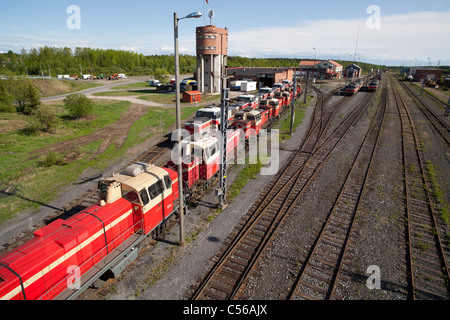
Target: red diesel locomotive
134, 203
66, 256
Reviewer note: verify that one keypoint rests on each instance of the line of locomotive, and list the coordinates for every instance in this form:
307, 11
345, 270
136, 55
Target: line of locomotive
66, 256
356, 85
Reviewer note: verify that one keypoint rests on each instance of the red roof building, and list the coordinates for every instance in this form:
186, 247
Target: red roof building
327, 69
192, 96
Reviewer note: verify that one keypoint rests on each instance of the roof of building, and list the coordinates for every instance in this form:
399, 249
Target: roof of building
308, 63
192, 92
335, 63
353, 66
253, 71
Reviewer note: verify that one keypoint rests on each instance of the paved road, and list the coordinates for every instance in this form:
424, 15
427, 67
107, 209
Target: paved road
103, 88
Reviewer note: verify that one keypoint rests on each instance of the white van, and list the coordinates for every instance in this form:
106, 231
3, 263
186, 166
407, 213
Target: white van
154, 83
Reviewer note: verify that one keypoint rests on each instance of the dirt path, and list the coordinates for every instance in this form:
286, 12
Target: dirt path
116, 133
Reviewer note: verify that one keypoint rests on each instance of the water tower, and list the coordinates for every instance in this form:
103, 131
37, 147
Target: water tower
212, 52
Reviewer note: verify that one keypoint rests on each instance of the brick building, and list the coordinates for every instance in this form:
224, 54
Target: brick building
262, 76
421, 74
212, 53
327, 69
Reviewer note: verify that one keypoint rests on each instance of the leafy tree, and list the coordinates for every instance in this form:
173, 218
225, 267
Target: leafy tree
6, 100
24, 93
162, 75
33, 99
79, 105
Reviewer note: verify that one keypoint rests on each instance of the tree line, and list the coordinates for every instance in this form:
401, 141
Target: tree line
52, 61
46, 61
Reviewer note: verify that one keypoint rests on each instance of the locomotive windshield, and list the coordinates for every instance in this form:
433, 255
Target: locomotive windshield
131, 196
206, 114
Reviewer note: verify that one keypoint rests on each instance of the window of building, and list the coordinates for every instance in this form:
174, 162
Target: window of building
206, 37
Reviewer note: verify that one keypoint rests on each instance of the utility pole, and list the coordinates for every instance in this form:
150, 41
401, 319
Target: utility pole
423, 83
178, 120
447, 109
178, 123
293, 103
222, 192
306, 86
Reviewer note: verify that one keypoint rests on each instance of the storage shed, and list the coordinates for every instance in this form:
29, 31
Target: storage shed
353, 71
192, 96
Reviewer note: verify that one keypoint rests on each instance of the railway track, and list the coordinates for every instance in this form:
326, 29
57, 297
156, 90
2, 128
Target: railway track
89, 198
440, 126
429, 276
321, 269
227, 277
438, 101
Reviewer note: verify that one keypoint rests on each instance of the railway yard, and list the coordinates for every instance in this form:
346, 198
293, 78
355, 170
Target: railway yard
358, 210
362, 198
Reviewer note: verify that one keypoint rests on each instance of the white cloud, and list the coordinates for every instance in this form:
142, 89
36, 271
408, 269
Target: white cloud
402, 37
127, 48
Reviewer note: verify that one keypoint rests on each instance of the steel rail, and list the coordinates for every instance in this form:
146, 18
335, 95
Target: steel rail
412, 157
271, 228
363, 162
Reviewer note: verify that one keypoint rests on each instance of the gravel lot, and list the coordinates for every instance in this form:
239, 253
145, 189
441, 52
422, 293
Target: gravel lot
283, 260
380, 239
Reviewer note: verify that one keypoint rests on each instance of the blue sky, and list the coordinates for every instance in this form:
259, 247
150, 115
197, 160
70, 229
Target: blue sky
410, 31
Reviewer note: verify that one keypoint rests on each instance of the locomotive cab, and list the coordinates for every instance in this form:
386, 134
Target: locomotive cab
147, 188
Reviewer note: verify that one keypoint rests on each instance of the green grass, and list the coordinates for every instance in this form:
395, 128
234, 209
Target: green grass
138, 85
75, 86
438, 193
118, 93
169, 98
284, 124
35, 180
78, 86
249, 172
155, 121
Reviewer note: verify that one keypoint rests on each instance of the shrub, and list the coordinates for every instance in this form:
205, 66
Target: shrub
52, 159
44, 118
79, 105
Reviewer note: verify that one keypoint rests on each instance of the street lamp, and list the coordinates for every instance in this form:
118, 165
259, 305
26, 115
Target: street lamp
197, 14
